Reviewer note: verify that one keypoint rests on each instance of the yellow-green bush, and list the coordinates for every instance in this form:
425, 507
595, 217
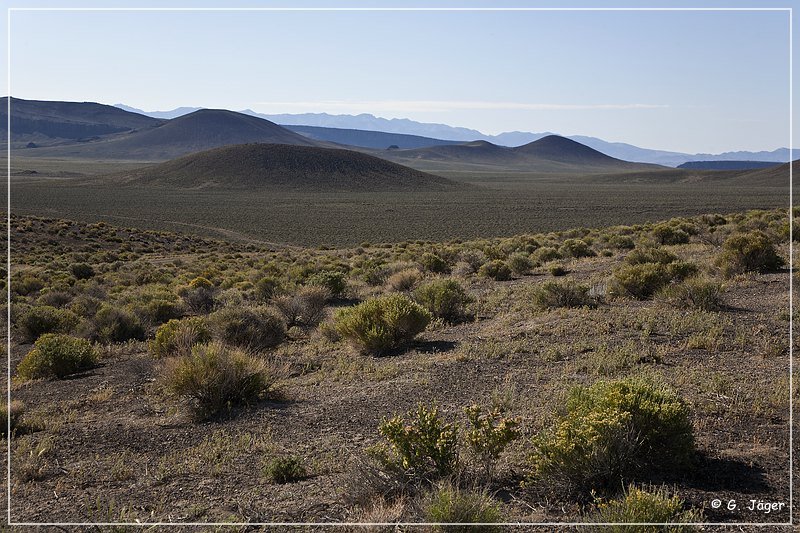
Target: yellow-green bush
116, 324
41, 319
694, 293
382, 324
446, 503
420, 446
638, 506
57, 356
215, 378
552, 294
613, 431
444, 298
575, 248
177, 337
255, 328
496, 269
748, 252
642, 280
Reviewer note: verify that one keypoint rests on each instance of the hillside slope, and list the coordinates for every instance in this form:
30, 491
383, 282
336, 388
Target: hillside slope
550, 154
283, 167
201, 130
48, 121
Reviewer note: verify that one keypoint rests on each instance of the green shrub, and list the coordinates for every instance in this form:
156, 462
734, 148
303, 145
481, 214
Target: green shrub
286, 469
545, 254
255, 328
641, 507
748, 252
200, 282
335, 282
159, 310
177, 337
497, 270
694, 293
433, 263
622, 242
575, 248
448, 504
642, 280
612, 431
266, 288
25, 283
520, 263
444, 298
382, 324
552, 294
489, 434
114, 324
57, 356
421, 447
557, 270
404, 280
215, 378
38, 320
303, 307
81, 270
650, 254
669, 234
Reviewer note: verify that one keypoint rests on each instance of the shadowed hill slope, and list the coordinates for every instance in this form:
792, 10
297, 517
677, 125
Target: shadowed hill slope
68, 120
201, 130
283, 167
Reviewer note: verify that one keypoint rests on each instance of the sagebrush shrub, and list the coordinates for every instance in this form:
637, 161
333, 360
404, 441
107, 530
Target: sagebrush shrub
612, 431
81, 270
334, 281
421, 446
41, 319
694, 293
650, 254
57, 356
266, 288
622, 242
520, 263
255, 328
444, 298
215, 378
638, 506
575, 248
198, 296
115, 324
446, 503
285, 469
404, 280
552, 294
497, 270
433, 263
642, 280
382, 324
177, 337
545, 254
748, 252
303, 307
668, 234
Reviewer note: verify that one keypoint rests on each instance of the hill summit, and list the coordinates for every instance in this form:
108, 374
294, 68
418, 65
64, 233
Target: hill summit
284, 167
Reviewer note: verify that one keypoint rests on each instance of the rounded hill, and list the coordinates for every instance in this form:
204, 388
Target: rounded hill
285, 167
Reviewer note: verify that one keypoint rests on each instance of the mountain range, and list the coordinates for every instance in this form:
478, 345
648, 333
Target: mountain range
444, 134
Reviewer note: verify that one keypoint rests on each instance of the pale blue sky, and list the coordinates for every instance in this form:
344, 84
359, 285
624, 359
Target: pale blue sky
687, 81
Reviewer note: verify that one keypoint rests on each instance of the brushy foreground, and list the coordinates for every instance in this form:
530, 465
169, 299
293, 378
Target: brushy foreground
625, 373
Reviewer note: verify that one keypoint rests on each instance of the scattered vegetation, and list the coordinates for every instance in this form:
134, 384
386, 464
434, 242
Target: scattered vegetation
444, 298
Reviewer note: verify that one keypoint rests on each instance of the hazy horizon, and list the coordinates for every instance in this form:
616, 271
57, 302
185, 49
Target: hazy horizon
686, 81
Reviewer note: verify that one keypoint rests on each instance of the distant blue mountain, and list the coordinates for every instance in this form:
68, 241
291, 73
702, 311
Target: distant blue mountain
442, 134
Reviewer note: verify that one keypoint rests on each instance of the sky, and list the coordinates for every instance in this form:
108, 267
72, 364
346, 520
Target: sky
690, 81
